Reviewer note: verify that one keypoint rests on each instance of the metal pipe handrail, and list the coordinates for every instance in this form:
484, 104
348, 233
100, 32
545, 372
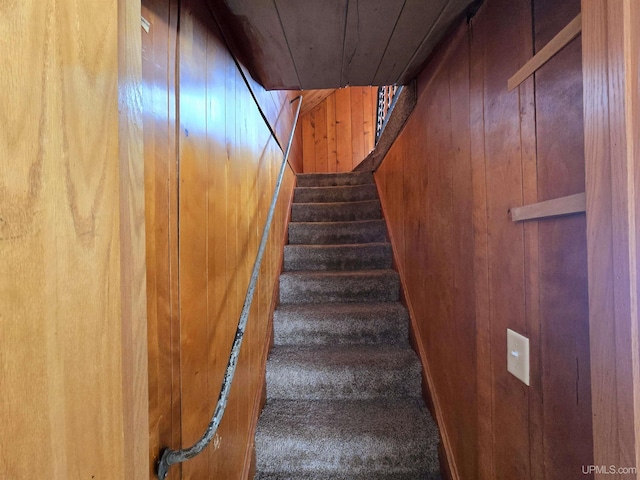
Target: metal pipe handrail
171, 457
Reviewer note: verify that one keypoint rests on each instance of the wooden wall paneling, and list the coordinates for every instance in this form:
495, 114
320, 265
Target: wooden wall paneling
228, 435
332, 146
389, 183
312, 98
401, 47
264, 16
319, 121
132, 243
227, 158
484, 369
151, 245
161, 226
193, 234
295, 155
610, 50
172, 146
340, 129
368, 121
69, 208
531, 278
464, 315
357, 133
562, 247
305, 23
366, 35
308, 144
506, 262
218, 65
344, 126
557, 43
451, 10
244, 162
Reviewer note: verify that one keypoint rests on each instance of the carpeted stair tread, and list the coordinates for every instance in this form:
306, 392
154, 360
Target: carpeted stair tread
330, 233
341, 324
333, 286
343, 386
336, 212
346, 476
333, 179
354, 372
337, 257
348, 193
354, 439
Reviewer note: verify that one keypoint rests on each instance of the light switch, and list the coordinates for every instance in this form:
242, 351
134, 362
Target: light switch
518, 356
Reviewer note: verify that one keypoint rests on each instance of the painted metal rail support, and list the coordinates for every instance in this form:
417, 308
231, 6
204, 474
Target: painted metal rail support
171, 457
387, 97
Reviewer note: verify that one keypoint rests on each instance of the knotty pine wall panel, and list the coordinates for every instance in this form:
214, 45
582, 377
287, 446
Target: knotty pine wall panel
204, 233
339, 132
469, 152
72, 297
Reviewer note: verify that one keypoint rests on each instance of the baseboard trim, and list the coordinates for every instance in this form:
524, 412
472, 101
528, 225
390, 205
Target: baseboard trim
448, 464
249, 464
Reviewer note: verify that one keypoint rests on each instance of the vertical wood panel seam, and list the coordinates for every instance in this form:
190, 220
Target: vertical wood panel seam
386, 47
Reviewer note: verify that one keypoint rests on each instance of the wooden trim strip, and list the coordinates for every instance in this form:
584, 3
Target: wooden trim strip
551, 208
557, 43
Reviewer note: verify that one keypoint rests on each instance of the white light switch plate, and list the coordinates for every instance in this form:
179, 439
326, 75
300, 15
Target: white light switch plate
518, 356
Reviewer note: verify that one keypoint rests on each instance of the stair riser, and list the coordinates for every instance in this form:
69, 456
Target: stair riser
365, 257
353, 193
336, 233
335, 179
336, 289
335, 212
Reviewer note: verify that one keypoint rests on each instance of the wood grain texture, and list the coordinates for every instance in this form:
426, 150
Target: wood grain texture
404, 43
70, 217
425, 182
469, 272
338, 133
610, 49
312, 98
161, 199
135, 385
219, 146
485, 468
315, 36
557, 43
279, 72
568, 205
563, 301
344, 128
367, 33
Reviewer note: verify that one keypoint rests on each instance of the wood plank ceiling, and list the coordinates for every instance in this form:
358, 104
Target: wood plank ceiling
312, 44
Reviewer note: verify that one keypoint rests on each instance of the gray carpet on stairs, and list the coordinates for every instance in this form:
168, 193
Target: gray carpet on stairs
343, 384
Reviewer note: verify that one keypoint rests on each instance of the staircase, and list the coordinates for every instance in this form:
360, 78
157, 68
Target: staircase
343, 384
